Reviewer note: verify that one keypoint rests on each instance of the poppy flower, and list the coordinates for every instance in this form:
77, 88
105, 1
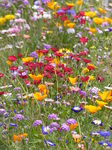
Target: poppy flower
13, 68
27, 59
36, 78
38, 96
86, 60
19, 55
106, 95
83, 40
12, 58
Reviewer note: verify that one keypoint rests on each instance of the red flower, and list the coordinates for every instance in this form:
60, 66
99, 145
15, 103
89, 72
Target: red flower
83, 40
81, 13
47, 58
1, 93
20, 55
83, 53
90, 67
54, 49
60, 13
84, 79
1, 75
77, 59
43, 51
100, 79
76, 16
82, 21
48, 68
13, 68
86, 60
12, 58
63, 18
58, 54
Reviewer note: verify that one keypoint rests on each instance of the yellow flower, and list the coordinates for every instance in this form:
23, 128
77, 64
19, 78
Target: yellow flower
72, 80
106, 95
49, 32
102, 11
2, 20
53, 5
38, 96
8, 62
93, 30
79, 2
36, 78
98, 20
27, 59
9, 17
91, 78
70, 25
58, 24
90, 14
92, 109
70, 4
66, 22
86, 70
101, 103
65, 50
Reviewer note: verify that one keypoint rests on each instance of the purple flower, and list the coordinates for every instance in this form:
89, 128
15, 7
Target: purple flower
82, 93
44, 1
64, 127
12, 125
37, 122
19, 117
97, 122
71, 121
107, 144
17, 89
71, 12
45, 130
54, 124
33, 54
52, 116
76, 109
105, 133
48, 142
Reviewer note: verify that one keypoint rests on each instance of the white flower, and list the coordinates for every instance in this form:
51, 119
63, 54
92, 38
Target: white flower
70, 30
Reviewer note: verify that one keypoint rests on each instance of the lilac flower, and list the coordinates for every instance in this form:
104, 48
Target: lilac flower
1, 124
71, 121
26, 2
37, 122
19, 117
47, 46
52, 129
105, 133
33, 54
45, 1
52, 116
82, 93
64, 127
54, 124
6, 114
17, 89
76, 109
48, 142
2, 111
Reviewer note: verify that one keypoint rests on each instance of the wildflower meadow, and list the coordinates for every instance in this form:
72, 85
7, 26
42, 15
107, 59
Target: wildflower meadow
55, 75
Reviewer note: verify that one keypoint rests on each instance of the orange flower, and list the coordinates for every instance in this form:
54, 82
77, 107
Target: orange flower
73, 126
72, 80
38, 96
42, 87
39, 53
36, 78
102, 11
19, 137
